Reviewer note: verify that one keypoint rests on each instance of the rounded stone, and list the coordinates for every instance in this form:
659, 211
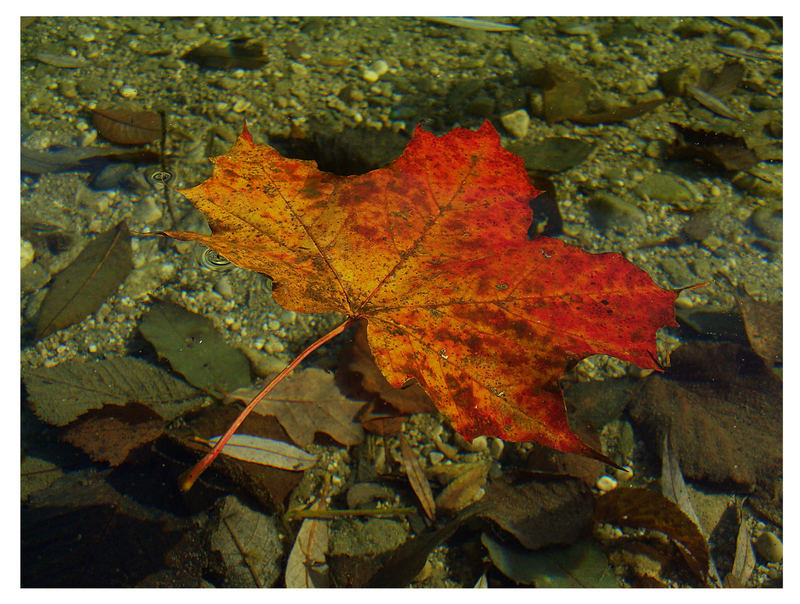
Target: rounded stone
516, 123
606, 483
128, 92
769, 547
369, 76
26, 253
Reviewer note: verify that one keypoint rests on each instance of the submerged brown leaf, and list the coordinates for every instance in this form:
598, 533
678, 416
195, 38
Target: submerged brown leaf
539, 513
308, 402
763, 322
112, 433
716, 149
716, 396
60, 394
125, 127
87, 282
641, 508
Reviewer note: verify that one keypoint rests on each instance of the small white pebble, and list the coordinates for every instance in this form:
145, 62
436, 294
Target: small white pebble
274, 325
606, 483
369, 75
128, 92
26, 253
92, 348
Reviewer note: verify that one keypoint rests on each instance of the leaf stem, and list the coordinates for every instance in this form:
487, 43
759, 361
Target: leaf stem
187, 479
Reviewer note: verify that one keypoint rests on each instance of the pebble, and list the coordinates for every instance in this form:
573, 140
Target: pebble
241, 105
769, 223
148, 211
516, 122
224, 288
612, 213
496, 446
606, 483
370, 76
625, 474
769, 547
380, 67
274, 325
668, 188
679, 274
128, 92
26, 253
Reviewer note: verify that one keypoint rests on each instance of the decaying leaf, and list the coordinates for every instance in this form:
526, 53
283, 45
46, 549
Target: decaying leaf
194, 348
538, 514
231, 54
582, 564
567, 98
307, 565
716, 396
80, 158
308, 402
716, 149
249, 544
60, 394
673, 487
553, 154
744, 561
125, 127
112, 433
644, 509
763, 322
433, 250
266, 452
417, 479
84, 285
618, 114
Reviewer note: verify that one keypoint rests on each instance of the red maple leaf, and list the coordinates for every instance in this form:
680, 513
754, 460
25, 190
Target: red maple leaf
432, 251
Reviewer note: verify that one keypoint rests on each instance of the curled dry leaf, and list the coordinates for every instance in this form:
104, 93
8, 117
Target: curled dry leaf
269, 485
744, 561
464, 489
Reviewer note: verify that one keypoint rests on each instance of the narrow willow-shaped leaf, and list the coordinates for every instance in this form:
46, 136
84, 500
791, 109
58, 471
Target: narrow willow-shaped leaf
417, 479
84, 285
266, 452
